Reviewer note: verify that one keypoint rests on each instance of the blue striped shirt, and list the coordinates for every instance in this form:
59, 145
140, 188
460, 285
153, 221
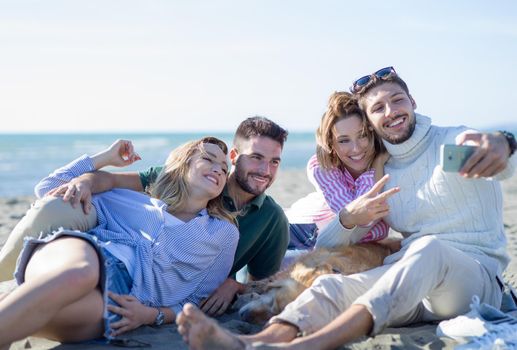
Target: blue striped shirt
171, 262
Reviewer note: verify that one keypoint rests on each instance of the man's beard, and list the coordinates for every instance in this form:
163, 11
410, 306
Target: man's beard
398, 139
241, 177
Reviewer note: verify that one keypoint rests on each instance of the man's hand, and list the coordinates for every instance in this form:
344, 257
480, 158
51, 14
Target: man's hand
78, 190
121, 153
369, 207
133, 312
490, 157
218, 302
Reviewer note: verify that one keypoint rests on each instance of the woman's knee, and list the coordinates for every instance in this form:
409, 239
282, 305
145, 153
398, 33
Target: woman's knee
71, 262
82, 276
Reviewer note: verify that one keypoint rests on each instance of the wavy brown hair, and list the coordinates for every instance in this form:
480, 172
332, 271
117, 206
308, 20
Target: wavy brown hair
341, 105
171, 186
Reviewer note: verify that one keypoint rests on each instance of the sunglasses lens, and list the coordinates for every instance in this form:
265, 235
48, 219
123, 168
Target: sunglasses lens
362, 81
383, 73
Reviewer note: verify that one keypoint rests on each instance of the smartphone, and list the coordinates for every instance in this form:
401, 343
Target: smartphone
453, 157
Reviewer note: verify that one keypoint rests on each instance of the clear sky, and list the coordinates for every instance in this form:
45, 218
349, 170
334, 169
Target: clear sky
190, 65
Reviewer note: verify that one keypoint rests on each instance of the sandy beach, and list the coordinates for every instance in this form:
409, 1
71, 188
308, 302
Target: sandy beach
289, 186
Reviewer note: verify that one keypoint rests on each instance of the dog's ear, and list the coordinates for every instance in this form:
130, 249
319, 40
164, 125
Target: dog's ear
325, 268
243, 299
257, 286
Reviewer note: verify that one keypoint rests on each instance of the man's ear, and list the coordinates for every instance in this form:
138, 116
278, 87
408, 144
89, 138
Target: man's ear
233, 155
413, 103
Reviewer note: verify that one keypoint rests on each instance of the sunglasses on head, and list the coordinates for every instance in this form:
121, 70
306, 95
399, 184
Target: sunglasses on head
382, 74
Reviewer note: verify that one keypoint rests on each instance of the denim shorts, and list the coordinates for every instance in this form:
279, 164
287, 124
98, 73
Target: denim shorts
302, 236
114, 276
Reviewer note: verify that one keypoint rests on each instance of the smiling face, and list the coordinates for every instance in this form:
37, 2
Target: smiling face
390, 111
207, 172
256, 164
352, 145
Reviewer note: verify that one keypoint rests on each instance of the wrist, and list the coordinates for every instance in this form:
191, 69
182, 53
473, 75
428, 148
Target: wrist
150, 315
510, 139
236, 287
99, 160
345, 219
159, 317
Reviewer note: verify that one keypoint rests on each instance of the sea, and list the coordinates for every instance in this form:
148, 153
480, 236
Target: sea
27, 158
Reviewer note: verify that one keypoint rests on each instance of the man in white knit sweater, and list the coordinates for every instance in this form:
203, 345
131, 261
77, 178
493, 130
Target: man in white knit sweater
453, 247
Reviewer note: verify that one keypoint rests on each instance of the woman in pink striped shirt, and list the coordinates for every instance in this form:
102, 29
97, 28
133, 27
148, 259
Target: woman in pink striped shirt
349, 160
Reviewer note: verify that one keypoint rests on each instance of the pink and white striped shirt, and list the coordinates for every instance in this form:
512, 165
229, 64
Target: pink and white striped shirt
339, 188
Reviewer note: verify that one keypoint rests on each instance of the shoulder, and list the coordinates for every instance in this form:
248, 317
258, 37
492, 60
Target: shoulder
313, 163
273, 208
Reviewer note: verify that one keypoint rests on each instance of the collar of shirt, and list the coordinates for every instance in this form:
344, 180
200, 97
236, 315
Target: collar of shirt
230, 204
163, 206
350, 182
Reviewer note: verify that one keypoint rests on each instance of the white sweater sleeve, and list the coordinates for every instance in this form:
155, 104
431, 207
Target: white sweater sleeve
335, 234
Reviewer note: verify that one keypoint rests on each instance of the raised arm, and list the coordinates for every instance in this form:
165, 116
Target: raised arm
492, 157
333, 184
350, 224
378, 165
78, 180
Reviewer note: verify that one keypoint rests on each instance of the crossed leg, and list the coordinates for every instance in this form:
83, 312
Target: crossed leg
201, 332
337, 316
60, 284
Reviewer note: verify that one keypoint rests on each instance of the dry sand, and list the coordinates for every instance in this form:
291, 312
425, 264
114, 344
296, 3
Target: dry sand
289, 186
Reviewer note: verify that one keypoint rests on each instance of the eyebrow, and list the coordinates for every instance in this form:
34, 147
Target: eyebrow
347, 136
225, 165
397, 93
261, 155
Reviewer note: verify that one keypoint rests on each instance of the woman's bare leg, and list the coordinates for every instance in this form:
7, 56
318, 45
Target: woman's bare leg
59, 275
79, 321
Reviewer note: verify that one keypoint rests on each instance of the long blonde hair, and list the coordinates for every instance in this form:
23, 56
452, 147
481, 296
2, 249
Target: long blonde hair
341, 105
171, 186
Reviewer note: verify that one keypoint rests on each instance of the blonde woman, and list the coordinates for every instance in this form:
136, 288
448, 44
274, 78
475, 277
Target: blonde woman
145, 259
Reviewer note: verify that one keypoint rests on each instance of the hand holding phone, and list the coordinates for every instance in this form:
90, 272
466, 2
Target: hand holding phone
453, 157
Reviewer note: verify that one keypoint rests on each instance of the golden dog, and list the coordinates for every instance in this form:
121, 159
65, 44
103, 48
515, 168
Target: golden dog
266, 298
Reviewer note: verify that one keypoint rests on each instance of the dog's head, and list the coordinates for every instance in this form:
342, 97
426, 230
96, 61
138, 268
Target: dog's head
276, 297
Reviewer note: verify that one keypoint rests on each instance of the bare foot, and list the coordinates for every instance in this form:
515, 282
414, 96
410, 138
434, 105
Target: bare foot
201, 332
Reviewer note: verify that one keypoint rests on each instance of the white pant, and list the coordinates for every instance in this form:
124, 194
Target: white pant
431, 281
45, 215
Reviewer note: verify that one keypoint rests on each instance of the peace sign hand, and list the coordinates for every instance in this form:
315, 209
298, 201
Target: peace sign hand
369, 207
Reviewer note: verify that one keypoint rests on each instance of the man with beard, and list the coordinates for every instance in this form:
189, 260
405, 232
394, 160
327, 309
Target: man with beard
454, 243
263, 226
